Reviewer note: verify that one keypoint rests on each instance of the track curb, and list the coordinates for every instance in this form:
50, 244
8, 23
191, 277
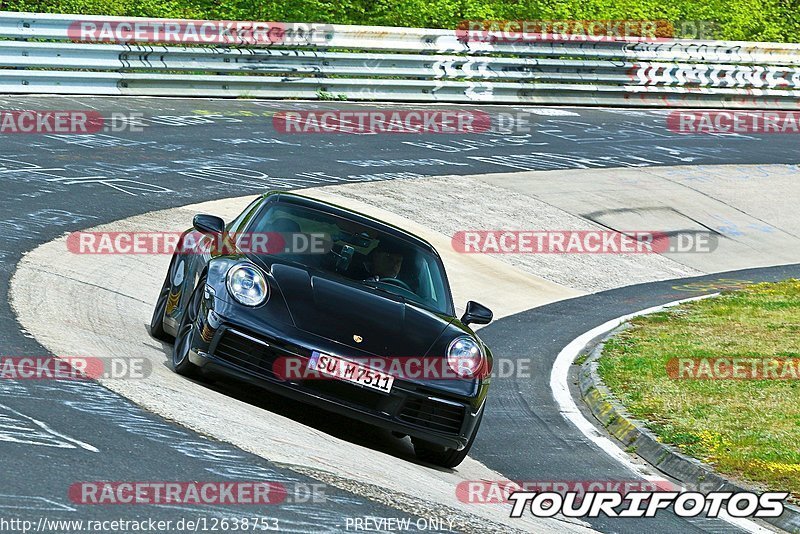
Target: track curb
638, 439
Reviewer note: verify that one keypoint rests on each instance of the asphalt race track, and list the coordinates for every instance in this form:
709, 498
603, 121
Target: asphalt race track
196, 150
548, 447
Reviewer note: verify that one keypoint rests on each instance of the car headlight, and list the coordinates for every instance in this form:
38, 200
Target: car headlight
464, 356
247, 285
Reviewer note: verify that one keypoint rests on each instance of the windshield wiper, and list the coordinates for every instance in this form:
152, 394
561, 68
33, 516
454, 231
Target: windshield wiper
382, 289
414, 301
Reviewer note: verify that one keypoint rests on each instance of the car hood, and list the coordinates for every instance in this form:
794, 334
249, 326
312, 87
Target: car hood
357, 316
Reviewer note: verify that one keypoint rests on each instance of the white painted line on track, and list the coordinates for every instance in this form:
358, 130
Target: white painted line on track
47, 430
559, 385
32, 502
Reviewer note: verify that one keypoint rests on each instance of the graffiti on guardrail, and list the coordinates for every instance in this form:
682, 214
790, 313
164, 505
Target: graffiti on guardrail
631, 63
768, 77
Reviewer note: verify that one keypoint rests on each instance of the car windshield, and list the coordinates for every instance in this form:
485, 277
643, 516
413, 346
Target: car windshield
345, 248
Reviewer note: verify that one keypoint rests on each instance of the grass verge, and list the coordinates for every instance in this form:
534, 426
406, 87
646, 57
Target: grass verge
746, 428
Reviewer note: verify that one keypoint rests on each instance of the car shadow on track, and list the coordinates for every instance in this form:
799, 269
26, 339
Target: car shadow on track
333, 424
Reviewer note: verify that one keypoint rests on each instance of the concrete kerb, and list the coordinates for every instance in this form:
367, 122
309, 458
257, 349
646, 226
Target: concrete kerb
638, 439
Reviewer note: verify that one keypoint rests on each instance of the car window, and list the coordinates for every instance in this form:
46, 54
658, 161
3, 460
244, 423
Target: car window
357, 252
243, 216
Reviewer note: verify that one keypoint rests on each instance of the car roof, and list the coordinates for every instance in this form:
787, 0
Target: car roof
294, 198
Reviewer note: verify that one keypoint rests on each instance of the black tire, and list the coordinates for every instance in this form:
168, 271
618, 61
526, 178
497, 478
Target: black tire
180, 350
157, 321
440, 455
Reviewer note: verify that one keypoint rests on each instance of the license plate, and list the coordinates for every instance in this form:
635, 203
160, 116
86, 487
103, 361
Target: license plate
350, 372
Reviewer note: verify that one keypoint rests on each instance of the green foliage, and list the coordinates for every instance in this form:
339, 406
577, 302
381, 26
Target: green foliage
748, 20
325, 95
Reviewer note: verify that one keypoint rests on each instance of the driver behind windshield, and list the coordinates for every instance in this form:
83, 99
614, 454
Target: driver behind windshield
384, 261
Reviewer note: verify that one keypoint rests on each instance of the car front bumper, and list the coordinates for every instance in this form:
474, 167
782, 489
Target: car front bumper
224, 345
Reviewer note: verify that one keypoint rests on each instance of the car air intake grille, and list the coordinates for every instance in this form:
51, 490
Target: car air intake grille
351, 393
432, 414
246, 353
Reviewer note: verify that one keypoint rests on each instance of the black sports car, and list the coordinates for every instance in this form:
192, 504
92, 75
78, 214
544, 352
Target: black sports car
338, 310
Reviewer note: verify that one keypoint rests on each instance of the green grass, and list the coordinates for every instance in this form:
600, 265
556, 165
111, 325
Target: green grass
752, 20
747, 429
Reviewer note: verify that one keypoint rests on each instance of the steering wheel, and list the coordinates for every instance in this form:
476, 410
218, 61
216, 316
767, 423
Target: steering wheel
396, 282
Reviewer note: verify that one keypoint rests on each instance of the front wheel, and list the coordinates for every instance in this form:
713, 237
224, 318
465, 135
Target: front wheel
442, 456
186, 330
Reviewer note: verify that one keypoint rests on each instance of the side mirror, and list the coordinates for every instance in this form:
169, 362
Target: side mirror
208, 224
476, 314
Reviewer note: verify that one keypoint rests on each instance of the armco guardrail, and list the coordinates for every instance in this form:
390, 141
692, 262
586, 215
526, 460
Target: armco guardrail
38, 55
